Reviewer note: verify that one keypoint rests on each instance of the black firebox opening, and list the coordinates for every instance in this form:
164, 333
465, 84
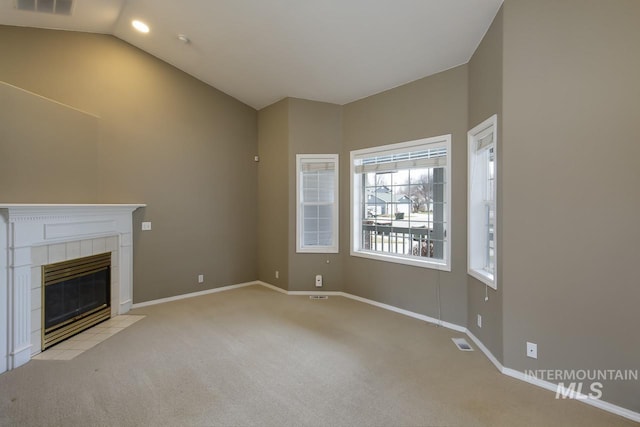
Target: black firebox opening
71, 298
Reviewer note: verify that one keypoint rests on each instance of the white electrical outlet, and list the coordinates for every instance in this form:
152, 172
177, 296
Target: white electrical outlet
146, 226
319, 281
277, 274
532, 350
479, 321
200, 278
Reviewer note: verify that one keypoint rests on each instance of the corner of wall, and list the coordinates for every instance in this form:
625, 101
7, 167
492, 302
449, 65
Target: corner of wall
485, 99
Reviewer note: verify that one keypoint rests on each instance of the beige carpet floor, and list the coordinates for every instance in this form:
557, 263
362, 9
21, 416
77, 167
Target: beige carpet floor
255, 357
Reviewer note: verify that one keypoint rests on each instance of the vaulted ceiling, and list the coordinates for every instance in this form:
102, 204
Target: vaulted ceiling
260, 51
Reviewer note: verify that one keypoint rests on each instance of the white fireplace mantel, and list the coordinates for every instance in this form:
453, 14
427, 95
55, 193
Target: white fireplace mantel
27, 226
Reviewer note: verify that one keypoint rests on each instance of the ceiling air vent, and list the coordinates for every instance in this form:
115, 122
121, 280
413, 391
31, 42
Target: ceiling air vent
57, 7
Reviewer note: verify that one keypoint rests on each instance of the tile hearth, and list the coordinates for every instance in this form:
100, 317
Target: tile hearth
82, 342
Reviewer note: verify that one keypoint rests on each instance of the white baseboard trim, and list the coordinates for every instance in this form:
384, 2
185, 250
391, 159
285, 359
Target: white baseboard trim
308, 293
193, 294
418, 316
485, 350
415, 315
609, 407
272, 287
20, 356
600, 404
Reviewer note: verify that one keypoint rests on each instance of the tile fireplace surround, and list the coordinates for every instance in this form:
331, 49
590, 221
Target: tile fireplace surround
35, 234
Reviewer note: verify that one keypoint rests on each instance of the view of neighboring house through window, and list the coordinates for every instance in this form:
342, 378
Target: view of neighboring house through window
317, 203
401, 203
482, 202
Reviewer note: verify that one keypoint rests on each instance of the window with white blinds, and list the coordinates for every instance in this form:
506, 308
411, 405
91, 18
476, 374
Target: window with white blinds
317, 203
482, 212
401, 202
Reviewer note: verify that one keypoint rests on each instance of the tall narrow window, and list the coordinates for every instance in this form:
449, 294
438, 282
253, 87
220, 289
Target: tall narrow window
482, 215
401, 202
317, 203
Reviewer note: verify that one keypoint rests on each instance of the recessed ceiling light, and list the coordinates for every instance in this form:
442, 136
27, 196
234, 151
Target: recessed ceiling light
140, 26
184, 39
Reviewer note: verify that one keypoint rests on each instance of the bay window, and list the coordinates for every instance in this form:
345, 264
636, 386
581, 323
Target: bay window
400, 208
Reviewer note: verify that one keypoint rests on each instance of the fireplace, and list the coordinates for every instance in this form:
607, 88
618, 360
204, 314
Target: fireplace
76, 295
33, 235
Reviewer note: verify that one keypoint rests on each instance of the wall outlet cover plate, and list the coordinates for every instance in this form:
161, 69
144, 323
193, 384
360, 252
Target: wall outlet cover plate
532, 350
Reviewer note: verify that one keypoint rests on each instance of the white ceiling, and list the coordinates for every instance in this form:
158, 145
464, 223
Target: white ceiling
260, 51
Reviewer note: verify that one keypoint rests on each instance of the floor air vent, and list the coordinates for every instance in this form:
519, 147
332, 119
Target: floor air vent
462, 344
318, 297
57, 7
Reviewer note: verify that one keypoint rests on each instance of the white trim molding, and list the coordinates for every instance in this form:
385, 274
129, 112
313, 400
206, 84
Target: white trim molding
428, 153
547, 385
482, 195
601, 404
606, 406
317, 164
415, 315
485, 350
193, 294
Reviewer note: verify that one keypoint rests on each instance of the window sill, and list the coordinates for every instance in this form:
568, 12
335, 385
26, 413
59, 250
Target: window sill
483, 276
318, 250
431, 264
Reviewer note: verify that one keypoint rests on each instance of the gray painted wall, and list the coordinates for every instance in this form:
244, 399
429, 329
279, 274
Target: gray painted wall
485, 100
67, 159
287, 128
570, 187
314, 128
432, 106
165, 139
273, 194
569, 95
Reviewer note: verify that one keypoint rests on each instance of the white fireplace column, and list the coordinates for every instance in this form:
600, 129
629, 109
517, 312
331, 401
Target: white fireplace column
25, 226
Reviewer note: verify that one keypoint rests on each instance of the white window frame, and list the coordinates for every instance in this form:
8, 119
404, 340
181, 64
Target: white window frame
443, 141
480, 139
319, 158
